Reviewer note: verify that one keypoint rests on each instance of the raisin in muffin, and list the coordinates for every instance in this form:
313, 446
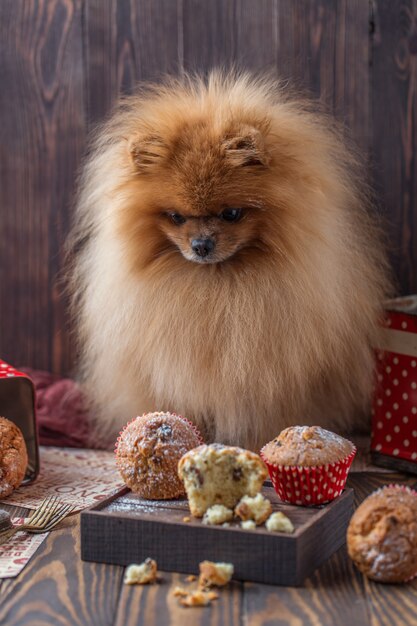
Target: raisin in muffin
13, 457
148, 451
382, 535
218, 474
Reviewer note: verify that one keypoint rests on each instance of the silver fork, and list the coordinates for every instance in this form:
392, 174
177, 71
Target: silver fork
66, 510
50, 512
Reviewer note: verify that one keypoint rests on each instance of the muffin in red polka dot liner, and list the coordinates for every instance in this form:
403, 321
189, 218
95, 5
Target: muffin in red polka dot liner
308, 465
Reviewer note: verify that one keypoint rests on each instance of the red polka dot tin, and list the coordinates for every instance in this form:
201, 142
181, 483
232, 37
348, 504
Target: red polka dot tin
394, 412
17, 403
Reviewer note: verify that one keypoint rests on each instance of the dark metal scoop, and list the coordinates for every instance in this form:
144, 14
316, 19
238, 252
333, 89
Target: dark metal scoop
5, 520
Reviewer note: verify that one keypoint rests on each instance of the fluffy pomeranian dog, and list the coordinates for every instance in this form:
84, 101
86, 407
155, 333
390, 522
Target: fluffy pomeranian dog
227, 265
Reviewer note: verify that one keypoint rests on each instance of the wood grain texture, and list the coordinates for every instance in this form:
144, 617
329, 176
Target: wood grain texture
127, 41
65, 63
336, 593
41, 139
396, 606
333, 595
56, 588
331, 56
156, 605
394, 464
394, 113
321, 47
126, 527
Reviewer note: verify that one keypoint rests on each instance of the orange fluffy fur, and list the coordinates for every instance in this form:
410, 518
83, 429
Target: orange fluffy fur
278, 328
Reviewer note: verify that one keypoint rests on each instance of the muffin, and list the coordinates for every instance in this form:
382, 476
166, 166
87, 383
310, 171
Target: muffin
13, 457
257, 509
279, 523
308, 465
148, 451
382, 535
142, 574
217, 514
214, 574
218, 474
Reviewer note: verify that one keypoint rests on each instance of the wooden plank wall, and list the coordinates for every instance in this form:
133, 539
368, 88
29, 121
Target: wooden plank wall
63, 63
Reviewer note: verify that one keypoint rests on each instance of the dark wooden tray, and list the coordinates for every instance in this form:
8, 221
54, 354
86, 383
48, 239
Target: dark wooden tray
126, 529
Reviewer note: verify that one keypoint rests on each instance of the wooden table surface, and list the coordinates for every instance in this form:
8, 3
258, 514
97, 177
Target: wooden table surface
57, 588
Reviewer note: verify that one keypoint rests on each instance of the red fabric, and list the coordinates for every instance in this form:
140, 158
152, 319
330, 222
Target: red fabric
61, 410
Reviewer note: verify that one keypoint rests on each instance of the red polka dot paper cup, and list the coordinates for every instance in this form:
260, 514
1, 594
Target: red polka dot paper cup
310, 486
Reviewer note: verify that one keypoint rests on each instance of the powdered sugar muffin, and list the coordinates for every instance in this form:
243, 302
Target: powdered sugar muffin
382, 535
148, 451
13, 457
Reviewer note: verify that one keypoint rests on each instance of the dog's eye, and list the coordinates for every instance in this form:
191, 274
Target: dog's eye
231, 215
177, 218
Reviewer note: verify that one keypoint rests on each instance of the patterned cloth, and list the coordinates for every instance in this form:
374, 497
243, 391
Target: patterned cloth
61, 410
77, 477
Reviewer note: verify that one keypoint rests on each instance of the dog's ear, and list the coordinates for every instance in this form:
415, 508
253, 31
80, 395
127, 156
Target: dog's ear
246, 146
146, 151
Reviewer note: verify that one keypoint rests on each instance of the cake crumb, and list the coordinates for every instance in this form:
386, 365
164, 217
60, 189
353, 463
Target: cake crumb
279, 523
198, 597
217, 514
248, 524
211, 574
257, 509
186, 519
191, 578
141, 574
179, 592
214, 574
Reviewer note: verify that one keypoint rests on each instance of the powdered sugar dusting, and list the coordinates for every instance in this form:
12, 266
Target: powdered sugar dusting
148, 451
382, 535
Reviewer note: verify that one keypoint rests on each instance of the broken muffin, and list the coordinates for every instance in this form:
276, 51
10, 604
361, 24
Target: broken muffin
219, 474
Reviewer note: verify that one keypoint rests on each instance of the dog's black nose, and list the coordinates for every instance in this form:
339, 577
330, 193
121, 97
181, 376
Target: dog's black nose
202, 247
